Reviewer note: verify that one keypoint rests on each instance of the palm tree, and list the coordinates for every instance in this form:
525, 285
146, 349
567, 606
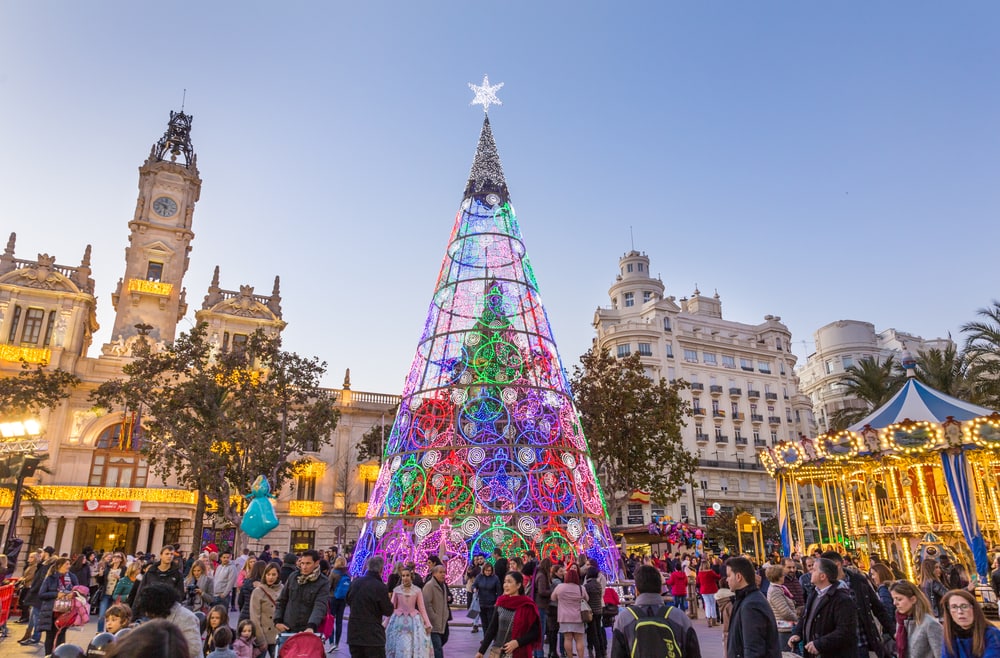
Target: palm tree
945, 370
872, 384
982, 351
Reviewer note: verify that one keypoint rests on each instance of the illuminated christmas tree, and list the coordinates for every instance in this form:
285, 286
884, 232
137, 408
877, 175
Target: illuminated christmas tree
487, 449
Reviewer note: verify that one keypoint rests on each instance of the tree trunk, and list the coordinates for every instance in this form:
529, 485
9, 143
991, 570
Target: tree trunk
199, 523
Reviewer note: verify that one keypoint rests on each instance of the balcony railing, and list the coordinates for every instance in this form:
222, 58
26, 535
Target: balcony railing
752, 393
721, 438
697, 386
151, 287
701, 438
718, 414
715, 390
741, 440
774, 420
770, 396
760, 443
736, 392
756, 418
739, 465
698, 411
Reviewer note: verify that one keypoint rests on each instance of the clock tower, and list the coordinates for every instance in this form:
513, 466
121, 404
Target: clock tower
150, 294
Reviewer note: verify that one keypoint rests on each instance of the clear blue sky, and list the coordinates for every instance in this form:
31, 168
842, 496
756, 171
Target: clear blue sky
808, 161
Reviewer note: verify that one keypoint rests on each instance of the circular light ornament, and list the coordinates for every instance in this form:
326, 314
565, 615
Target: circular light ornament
839, 446
492, 199
790, 455
913, 436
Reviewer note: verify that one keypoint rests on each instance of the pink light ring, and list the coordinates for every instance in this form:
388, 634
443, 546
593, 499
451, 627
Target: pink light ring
570, 427
586, 490
395, 546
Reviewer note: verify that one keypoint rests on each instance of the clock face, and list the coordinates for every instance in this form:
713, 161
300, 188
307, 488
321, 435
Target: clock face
164, 206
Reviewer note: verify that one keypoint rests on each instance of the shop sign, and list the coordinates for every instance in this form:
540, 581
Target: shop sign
111, 505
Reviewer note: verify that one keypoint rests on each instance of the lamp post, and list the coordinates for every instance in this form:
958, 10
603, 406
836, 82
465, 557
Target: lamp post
20, 437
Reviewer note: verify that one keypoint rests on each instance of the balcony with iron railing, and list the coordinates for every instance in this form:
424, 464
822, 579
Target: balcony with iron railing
721, 438
715, 390
774, 420
756, 418
701, 437
741, 440
735, 392
770, 396
698, 412
752, 394
697, 386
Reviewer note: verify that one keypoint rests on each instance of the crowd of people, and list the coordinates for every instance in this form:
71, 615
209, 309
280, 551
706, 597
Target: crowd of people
824, 605
216, 605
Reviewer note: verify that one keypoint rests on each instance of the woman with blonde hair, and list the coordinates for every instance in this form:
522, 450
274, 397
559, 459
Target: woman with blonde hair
882, 578
967, 634
198, 588
918, 633
931, 585
782, 602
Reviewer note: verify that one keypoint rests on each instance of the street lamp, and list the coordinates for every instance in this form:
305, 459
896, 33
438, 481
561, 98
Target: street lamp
20, 437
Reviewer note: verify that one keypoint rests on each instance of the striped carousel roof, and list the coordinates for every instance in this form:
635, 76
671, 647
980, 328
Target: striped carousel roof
916, 401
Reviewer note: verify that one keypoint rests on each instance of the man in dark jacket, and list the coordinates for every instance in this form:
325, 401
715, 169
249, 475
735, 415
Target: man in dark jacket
753, 632
368, 598
869, 608
500, 564
165, 571
303, 600
829, 626
33, 632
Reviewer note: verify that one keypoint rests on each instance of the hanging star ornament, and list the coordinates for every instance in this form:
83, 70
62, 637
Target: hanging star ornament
486, 94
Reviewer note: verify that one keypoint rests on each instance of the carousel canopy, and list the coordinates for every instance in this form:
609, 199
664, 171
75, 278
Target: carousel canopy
916, 401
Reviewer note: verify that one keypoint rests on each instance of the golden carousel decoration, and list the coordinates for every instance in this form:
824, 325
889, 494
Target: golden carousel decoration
916, 477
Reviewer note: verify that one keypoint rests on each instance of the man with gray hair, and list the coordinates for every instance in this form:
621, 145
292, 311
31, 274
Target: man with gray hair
368, 598
436, 603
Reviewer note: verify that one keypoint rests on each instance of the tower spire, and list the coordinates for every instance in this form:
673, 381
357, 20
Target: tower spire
7, 259
176, 142
486, 176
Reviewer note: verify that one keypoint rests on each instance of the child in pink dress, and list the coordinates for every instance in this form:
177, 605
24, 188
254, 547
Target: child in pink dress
407, 632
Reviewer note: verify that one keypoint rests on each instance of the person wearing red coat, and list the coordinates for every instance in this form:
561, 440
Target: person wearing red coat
708, 585
678, 583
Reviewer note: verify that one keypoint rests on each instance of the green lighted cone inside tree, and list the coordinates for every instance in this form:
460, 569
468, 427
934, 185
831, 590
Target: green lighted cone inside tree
486, 450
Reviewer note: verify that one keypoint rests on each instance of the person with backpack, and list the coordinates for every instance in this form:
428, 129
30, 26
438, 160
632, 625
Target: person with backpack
650, 629
340, 584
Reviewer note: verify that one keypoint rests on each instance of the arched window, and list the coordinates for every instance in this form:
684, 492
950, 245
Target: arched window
116, 461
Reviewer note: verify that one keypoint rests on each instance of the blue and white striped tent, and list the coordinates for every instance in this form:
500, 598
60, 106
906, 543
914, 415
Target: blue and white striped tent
916, 401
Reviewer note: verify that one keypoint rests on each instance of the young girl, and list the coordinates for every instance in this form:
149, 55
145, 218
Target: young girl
218, 617
246, 644
117, 617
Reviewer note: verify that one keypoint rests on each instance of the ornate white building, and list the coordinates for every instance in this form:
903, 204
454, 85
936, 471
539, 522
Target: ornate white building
744, 391
102, 493
842, 344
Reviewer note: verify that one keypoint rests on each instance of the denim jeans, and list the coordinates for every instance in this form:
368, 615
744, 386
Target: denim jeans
36, 611
437, 644
540, 647
105, 604
337, 609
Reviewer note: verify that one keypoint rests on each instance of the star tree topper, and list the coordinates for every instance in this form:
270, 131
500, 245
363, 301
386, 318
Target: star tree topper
486, 94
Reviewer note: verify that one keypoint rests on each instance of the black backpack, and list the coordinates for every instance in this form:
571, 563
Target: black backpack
654, 637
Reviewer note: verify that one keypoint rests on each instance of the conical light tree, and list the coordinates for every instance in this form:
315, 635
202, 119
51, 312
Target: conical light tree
486, 450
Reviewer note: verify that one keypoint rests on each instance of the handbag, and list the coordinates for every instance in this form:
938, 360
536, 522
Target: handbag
497, 652
586, 614
62, 605
474, 608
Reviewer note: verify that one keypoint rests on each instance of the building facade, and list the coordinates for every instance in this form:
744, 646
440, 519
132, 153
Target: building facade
842, 344
101, 492
743, 388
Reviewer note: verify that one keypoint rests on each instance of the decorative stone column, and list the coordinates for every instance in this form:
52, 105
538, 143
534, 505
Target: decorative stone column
143, 539
158, 535
66, 544
50, 532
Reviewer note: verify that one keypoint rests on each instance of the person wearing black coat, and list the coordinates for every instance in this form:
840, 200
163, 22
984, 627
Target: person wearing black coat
57, 582
753, 631
304, 599
288, 565
369, 601
487, 587
165, 571
868, 605
33, 632
500, 564
829, 626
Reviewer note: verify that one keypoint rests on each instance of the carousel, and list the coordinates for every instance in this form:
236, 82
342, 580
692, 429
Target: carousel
915, 478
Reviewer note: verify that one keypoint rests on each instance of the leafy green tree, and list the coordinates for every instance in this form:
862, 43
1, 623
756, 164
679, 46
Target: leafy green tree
372, 442
872, 383
945, 370
982, 352
633, 427
34, 388
721, 528
217, 420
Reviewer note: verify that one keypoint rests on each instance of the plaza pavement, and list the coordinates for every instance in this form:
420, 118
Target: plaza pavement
462, 643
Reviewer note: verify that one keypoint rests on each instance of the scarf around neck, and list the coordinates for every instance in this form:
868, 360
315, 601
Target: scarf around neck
302, 579
901, 635
525, 615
